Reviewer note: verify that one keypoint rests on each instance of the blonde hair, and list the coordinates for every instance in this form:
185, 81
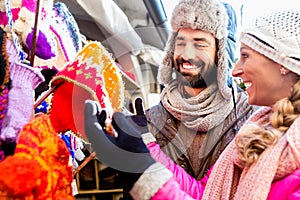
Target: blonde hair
253, 139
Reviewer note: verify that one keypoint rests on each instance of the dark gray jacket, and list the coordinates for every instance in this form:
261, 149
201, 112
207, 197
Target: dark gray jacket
167, 133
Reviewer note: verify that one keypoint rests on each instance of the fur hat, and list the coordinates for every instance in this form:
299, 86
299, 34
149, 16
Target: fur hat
276, 35
206, 15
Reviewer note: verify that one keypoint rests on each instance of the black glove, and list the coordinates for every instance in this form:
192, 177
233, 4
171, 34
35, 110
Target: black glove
139, 121
126, 153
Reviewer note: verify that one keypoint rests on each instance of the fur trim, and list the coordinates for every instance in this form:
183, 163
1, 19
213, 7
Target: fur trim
207, 15
150, 181
148, 138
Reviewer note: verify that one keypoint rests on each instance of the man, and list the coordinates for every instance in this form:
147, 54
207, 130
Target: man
200, 109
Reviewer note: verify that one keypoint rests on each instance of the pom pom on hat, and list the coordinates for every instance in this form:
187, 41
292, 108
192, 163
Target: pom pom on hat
92, 75
276, 35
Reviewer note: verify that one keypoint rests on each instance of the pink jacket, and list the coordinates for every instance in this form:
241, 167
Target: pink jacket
180, 185
287, 188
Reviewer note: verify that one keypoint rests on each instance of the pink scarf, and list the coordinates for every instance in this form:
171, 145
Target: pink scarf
228, 181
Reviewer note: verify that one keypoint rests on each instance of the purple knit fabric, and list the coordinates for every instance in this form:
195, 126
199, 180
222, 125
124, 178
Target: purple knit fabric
21, 96
45, 47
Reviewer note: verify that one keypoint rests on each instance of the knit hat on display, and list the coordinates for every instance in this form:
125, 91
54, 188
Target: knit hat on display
62, 16
94, 75
23, 20
205, 15
66, 34
58, 39
277, 36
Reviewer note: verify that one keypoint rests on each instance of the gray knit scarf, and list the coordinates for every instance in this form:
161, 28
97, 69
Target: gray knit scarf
202, 112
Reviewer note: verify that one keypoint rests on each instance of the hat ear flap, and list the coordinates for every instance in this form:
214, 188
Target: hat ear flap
165, 70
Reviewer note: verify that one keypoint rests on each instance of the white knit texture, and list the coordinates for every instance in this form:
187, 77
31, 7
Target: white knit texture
148, 138
150, 182
276, 36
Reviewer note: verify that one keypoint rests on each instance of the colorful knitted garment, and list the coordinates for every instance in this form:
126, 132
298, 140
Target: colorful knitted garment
92, 75
66, 33
39, 169
22, 21
5, 85
5, 82
24, 79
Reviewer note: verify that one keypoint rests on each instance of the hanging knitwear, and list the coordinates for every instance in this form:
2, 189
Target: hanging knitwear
92, 75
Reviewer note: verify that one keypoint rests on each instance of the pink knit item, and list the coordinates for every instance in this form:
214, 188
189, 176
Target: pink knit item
20, 97
228, 181
30, 5
4, 18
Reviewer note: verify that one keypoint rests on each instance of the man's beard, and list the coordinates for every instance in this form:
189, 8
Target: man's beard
201, 80
192, 81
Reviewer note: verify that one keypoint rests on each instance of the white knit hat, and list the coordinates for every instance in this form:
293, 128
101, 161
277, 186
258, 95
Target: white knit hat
205, 15
277, 36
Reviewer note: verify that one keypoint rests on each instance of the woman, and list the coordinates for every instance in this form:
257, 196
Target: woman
263, 161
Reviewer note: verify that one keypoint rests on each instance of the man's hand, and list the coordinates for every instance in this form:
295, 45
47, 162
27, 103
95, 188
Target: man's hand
126, 153
139, 121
